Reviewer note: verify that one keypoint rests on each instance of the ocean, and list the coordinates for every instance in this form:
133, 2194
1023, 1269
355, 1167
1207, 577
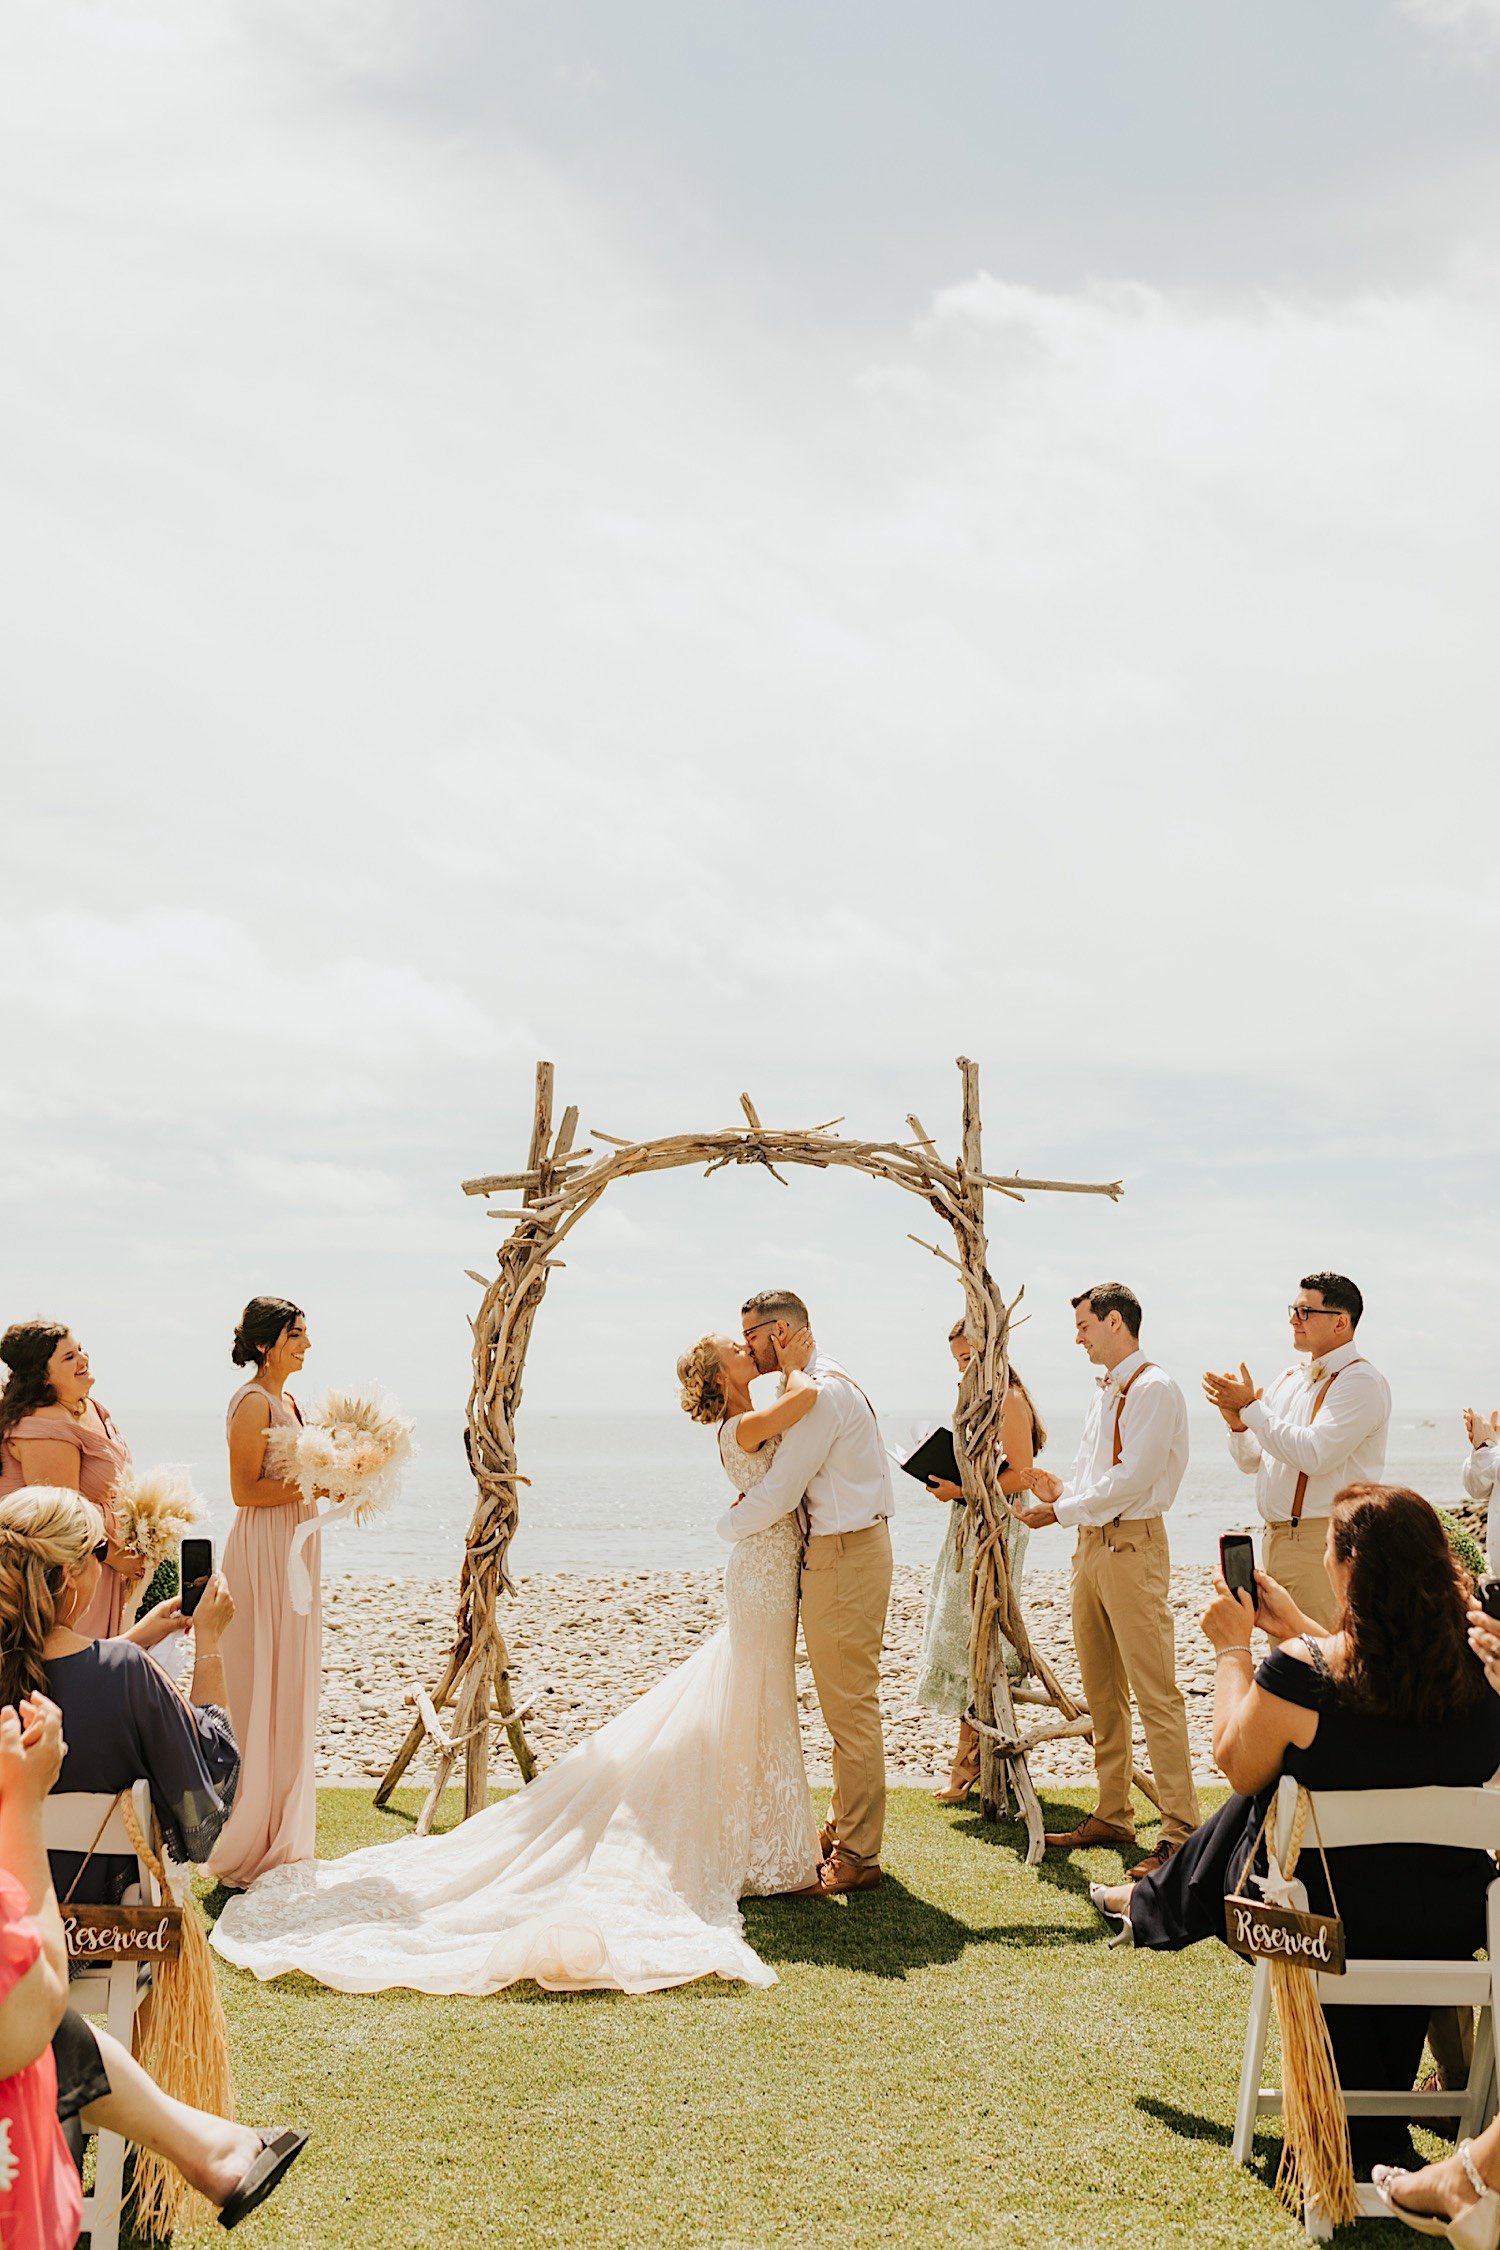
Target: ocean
625, 1492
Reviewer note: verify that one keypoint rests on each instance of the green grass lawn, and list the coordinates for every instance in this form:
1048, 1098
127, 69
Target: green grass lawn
955, 2058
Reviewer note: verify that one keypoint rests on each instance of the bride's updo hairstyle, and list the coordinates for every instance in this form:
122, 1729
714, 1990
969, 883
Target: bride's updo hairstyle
264, 1321
702, 1380
45, 1531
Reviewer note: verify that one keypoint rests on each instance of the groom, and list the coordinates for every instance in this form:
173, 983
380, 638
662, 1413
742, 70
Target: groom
835, 1462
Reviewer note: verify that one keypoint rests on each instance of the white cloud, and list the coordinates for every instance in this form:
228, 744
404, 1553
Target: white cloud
1476, 23
438, 641
311, 1185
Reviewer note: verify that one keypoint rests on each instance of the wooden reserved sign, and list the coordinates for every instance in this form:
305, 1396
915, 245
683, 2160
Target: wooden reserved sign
122, 1933
1281, 1933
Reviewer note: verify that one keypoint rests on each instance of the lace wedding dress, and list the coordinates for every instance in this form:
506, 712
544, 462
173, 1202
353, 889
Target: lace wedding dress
619, 1868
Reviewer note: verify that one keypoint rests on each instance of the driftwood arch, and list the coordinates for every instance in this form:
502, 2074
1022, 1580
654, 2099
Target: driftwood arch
559, 1185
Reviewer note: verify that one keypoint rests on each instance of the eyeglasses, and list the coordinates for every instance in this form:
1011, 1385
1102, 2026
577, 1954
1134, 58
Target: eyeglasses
101, 1552
1313, 1312
756, 1327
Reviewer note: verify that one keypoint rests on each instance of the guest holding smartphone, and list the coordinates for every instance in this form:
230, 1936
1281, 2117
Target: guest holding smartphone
53, 1432
272, 1656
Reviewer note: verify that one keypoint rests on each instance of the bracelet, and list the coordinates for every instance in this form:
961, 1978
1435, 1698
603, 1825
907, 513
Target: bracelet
1236, 1648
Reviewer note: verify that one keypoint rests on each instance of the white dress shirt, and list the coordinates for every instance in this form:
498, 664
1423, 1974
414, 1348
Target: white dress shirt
1481, 1474
1346, 1444
834, 1458
1153, 1448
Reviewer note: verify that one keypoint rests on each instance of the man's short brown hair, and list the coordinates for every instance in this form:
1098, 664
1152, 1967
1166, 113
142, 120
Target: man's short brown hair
776, 1304
1112, 1296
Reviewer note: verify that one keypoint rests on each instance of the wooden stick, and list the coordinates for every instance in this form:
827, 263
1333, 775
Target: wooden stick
1114, 1189
748, 1107
936, 1252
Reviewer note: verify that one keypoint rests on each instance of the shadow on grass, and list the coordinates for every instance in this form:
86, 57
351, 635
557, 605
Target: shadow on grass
1185, 2123
886, 1933
214, 1900
1189, 2125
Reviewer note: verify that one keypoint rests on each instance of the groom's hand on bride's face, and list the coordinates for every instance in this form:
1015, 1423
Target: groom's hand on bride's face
794, 1347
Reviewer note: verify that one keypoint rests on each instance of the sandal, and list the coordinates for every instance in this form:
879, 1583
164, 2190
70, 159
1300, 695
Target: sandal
962, 1779
965, 1767
279, 2151
1478, 2228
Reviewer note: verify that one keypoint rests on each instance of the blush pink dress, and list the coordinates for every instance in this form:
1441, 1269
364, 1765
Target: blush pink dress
102, 1454
272, 1661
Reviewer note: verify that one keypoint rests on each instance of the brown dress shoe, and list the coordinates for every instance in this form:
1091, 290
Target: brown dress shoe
844, 1874
1089, 1833
828, 1843
1153, 1863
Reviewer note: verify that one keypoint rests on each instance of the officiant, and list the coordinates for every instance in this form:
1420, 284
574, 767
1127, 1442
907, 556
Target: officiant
943, 1672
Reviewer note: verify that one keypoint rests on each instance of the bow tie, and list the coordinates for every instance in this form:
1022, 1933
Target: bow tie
1315, 1374
1108, 1383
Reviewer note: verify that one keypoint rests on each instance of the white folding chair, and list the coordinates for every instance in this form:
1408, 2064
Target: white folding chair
1468, 1818
72, 1823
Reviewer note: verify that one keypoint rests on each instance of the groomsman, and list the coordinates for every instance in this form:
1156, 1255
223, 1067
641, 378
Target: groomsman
1314, 1430
1126, 1476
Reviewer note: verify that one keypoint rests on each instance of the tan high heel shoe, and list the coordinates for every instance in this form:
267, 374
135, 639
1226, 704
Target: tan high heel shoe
965, 1767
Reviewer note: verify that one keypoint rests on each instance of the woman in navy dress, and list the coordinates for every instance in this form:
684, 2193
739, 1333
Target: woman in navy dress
1393, 1698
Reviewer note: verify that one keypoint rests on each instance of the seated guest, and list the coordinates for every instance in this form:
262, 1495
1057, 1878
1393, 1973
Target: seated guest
1460, 2196
41, 2203
56, 2070
1392, 1698
125, 1721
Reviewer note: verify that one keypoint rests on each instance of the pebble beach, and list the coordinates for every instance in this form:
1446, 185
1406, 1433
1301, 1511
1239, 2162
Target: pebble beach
584, 1647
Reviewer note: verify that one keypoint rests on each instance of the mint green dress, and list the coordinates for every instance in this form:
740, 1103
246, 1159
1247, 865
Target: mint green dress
943, 1671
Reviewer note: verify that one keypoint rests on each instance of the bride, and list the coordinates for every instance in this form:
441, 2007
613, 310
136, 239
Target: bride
619, 1868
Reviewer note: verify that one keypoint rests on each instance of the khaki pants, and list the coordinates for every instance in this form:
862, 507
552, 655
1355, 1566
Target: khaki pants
846, 1586
1122, 1629
1294, 1558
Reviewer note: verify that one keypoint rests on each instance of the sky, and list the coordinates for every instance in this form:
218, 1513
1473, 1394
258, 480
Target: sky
763, 547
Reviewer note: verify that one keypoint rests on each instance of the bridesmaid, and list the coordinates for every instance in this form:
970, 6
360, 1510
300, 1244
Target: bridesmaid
271, 1655
943, 1673
52, 1432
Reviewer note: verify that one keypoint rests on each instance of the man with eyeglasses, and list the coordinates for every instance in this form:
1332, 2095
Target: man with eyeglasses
1312, 1431
834, 1465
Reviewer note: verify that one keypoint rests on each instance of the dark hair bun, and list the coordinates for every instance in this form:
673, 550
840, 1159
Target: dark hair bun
264, 1321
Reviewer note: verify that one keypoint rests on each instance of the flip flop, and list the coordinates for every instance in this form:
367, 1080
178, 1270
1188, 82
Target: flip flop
279, 2151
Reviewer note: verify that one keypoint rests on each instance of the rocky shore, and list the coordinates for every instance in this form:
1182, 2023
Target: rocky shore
582, 1648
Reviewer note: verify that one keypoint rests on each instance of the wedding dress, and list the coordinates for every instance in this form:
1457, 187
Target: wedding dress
619, 1868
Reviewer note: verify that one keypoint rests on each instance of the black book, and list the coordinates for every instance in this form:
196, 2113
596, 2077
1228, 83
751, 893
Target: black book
934, 1457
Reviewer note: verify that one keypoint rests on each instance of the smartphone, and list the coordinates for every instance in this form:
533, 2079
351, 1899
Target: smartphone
197, 1569
1487, 1594
1236, 1562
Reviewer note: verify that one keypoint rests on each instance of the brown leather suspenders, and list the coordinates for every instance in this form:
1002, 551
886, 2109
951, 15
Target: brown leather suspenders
1300, 1494
1118, 1450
